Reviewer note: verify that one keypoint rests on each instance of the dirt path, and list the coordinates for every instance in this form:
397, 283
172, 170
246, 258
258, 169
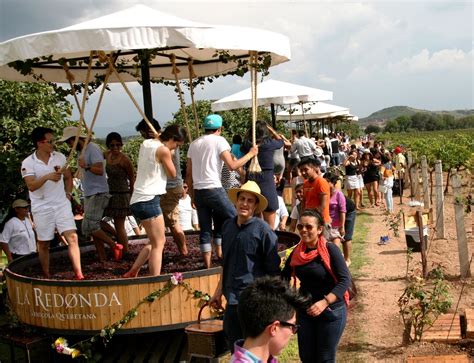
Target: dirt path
374, 331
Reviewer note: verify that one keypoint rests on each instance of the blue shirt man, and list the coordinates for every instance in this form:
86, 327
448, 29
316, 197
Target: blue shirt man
250, 250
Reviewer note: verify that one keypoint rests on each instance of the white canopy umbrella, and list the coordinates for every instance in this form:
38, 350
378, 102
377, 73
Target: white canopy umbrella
272, 92
145, 45
131, 30
318, 110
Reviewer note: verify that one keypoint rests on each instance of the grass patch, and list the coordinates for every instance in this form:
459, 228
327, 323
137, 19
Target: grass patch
354, 338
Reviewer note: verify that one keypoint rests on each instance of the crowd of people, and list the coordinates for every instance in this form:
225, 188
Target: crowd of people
236, 212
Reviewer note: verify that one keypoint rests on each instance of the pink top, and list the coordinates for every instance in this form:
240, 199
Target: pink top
337, 204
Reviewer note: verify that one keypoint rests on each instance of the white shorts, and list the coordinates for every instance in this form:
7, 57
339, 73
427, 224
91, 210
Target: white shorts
52, 219
352, 182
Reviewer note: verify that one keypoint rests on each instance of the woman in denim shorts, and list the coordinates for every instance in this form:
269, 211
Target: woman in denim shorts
155, 164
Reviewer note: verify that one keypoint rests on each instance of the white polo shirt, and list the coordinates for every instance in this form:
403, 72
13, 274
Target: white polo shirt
51, 193
19, 236
205, 154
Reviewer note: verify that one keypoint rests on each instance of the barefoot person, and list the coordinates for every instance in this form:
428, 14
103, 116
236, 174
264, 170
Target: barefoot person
96, 192
155, 164
50, 188
249, 249
205, 158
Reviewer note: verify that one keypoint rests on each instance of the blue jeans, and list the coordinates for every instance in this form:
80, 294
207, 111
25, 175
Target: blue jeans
212, 205
349, 225
232, 328
319, 336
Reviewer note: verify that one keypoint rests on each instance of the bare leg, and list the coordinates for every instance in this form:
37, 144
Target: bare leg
122, 238
155, 229
269, 217
100, 239
179, 238
74, 253
142, 258
207, 259
347, 250
43, 255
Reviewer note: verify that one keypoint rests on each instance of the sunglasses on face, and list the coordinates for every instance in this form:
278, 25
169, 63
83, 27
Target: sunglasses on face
294, 327
309, 227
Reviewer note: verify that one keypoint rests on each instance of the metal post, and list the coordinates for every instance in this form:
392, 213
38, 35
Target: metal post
146, 85
273, 112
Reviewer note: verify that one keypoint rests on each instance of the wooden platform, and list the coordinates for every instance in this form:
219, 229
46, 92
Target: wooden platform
457, 358
446, 329
469, 316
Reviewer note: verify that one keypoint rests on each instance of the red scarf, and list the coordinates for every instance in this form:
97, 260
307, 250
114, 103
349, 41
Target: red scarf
300, 257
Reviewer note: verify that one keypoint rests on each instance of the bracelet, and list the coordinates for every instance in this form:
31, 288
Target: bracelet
327, 300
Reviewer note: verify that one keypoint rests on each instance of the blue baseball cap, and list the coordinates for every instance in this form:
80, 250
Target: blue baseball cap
212, 122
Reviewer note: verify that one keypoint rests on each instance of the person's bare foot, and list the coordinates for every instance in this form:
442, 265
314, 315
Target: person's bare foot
130, 274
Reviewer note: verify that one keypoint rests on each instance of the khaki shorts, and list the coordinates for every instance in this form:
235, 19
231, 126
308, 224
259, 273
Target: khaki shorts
169, 205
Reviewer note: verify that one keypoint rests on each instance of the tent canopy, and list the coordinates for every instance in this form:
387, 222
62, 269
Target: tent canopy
318, 110
272, 92
132, 30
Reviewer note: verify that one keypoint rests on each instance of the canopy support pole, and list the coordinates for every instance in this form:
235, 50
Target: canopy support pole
273, 111
146, 84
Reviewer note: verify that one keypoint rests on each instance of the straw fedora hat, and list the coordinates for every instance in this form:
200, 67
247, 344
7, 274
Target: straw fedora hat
249, 187
69, 132
20, 203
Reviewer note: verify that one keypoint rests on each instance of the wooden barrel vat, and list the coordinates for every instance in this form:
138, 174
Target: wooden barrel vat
85, 307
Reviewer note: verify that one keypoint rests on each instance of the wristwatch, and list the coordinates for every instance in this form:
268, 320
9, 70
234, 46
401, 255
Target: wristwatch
87, 168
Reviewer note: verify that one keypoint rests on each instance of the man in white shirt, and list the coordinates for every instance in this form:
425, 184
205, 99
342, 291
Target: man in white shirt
206, 155
304, 146
50, 186
188, 218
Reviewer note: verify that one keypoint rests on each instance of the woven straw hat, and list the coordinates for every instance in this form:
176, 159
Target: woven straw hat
249, 187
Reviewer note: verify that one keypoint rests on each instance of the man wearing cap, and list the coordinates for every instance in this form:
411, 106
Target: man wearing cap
96, 192
205, 158
50, 188
17, 237
316, 190
249, 248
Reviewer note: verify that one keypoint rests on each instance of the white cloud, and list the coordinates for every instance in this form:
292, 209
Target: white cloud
445, 59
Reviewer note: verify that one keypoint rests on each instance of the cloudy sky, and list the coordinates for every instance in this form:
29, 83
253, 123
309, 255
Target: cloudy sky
371, 54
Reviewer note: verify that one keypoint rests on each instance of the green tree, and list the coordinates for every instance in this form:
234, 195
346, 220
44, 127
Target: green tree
372, 129
404, 123
24, 106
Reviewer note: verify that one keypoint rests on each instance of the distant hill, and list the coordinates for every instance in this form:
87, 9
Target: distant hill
386, 114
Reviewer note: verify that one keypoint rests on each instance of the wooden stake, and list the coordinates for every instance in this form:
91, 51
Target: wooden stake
426, 184
439, 200
460, 228
424, 262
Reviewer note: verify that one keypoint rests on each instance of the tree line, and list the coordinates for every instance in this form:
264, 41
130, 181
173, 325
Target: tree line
423, 121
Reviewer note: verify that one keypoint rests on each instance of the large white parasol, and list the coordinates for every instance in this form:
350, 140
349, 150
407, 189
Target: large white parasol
129, 31
318, 110
272, 92
142, 44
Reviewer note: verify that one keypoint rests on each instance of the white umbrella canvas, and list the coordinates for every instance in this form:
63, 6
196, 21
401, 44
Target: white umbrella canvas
272, 92
144, 44
315, 111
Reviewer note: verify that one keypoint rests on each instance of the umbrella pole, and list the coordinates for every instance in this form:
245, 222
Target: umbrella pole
175, 72
146, 84
191, 89
254, 167
272, 109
